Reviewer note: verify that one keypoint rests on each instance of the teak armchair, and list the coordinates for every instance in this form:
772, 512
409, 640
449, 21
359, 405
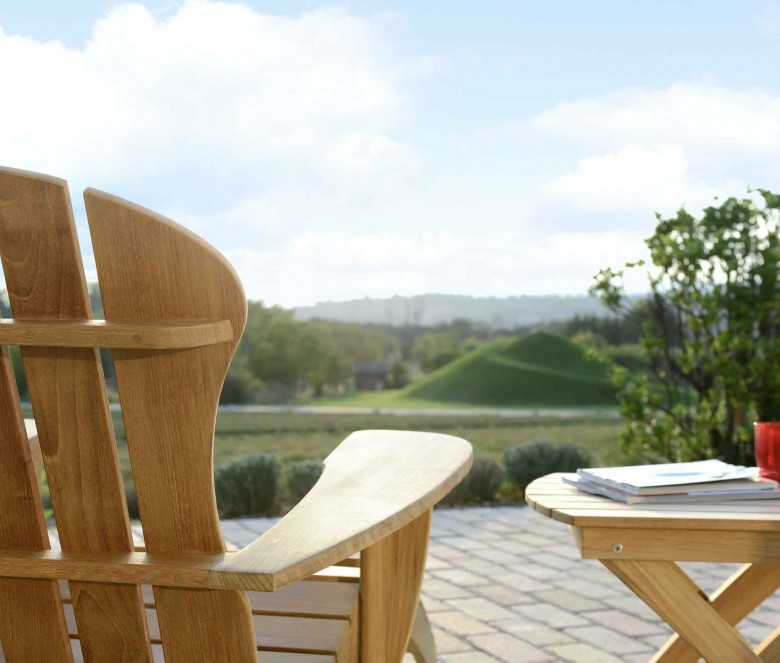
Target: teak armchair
175, 311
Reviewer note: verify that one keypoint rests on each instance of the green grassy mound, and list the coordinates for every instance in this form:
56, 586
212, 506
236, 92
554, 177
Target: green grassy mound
538, 370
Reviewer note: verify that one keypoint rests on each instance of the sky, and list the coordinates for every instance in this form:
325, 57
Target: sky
338, 151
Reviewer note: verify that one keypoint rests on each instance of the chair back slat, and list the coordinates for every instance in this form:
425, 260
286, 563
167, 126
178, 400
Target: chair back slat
45, 281
151, 269
32, 625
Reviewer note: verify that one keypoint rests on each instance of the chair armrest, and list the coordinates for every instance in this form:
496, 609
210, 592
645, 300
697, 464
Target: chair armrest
373, 483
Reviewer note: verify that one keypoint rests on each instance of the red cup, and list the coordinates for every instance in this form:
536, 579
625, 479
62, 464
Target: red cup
767, 441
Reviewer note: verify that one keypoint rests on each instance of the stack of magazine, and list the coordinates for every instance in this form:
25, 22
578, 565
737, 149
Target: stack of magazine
701, 481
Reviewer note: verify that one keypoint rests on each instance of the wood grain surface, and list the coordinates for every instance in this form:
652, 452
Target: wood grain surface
45, 281
151, 269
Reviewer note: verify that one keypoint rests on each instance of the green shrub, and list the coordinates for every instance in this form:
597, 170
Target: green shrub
21, 378
301, 477
480, 484
132, 504
247, 486
48, 511
240, 387
484, 478
526, 462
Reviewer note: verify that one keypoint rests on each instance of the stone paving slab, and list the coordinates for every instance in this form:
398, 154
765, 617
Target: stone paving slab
542, 601
506, 585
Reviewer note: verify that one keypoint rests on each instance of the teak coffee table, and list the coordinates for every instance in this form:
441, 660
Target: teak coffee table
641, 544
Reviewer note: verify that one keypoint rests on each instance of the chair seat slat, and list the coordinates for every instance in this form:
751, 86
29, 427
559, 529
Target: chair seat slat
303, 599
268, 657
308, 635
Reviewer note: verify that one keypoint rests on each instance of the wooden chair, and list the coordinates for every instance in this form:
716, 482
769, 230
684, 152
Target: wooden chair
175, 311
641, 544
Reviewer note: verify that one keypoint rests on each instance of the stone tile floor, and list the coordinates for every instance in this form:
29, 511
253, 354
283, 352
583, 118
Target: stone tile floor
506, 585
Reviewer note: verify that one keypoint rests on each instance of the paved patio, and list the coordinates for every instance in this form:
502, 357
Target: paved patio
507, 585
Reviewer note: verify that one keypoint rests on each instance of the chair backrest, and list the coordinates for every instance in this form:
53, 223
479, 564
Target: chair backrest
149, 269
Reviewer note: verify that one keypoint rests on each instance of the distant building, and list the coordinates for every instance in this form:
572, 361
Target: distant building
371, 376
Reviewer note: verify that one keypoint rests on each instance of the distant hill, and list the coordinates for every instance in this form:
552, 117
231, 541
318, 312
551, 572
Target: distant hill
537, 370
429, 310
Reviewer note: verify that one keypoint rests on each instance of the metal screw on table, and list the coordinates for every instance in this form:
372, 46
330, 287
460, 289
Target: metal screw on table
617, 548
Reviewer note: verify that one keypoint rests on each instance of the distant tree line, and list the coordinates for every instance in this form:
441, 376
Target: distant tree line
615, 330
280, 358
278, 355
432, 309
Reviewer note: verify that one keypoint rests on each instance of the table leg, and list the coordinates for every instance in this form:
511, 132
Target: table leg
769, 649
734, 600
662, 586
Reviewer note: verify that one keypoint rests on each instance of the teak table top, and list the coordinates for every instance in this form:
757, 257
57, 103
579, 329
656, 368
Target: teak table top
564, 503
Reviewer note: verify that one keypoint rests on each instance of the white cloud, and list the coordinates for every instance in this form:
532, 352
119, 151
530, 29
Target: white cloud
386, 264
368, 252
362, 154
644, 151
635, 178
213, 84
707, 116
248, 127
280, 139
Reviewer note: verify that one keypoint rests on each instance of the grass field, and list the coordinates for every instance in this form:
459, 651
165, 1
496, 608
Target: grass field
294, 436
536, 371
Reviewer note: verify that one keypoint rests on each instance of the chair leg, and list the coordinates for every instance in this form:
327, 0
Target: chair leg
391, 573
422, 645
733, 601
677, 601
769, 649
